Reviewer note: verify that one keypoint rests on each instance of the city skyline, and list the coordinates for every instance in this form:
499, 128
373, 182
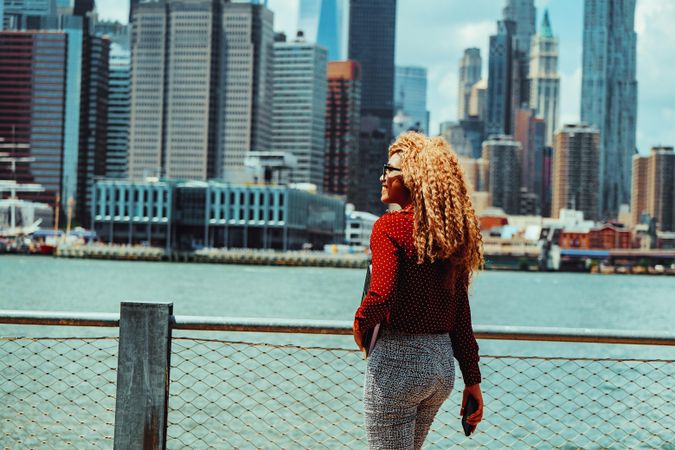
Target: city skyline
453, 27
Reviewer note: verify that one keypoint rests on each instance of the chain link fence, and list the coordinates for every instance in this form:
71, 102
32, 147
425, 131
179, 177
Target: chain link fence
57, 393
227, 394
60, 393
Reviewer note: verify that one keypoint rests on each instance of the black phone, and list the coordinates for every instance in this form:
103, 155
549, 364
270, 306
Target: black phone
470, 408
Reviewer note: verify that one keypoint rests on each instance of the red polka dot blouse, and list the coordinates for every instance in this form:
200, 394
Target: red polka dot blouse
410, 297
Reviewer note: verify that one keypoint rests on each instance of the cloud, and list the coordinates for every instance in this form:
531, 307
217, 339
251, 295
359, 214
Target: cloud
656, 35
285, 15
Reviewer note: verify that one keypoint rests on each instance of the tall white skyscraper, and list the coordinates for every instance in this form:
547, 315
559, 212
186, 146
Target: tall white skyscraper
145, 117
170, 85
200, 88
470, 67
299, 107
246, 87
544, 78
609, 95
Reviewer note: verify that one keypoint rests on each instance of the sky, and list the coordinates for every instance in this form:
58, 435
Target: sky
434, 34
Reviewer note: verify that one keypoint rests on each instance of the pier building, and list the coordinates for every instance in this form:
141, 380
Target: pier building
188, 215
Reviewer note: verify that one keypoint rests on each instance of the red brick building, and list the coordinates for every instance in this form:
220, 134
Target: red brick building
609, 236
575, 239
342, 127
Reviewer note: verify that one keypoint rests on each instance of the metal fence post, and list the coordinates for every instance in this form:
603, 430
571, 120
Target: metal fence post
143, 376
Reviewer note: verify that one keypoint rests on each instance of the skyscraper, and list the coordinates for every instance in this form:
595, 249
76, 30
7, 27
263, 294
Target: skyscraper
22, 15
653, 187
200, 88
299, 107
91, 157
503, 183
500, 80
478, 100
93, 122
245, 121
609, 95
324, 22
530, 132
343, 113
33, 97
172, 103
523, 14
575, 169
410, 95
544, 78
83, 151
117, 145
372, 36
470, 67
543, 179
146, 133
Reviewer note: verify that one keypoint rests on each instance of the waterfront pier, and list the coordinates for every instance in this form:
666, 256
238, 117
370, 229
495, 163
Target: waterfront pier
171, 381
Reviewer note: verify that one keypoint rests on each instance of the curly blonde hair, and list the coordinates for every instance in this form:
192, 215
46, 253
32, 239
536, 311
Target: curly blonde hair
445, 224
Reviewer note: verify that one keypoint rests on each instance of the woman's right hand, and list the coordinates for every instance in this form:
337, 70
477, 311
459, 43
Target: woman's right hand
357, 335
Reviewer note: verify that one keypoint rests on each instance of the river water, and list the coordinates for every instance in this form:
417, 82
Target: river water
620, 302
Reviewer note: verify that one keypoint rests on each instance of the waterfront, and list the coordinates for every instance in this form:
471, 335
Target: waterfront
206, 396
536, 299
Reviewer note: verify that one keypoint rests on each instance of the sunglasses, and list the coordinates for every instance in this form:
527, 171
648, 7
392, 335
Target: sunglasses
387, 168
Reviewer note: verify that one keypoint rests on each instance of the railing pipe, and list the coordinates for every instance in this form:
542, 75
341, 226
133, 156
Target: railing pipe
68, 319
341, 327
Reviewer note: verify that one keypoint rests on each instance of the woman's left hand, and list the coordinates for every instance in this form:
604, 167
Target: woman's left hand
474, 391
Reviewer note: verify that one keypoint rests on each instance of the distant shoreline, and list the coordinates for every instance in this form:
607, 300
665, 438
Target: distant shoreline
298, 258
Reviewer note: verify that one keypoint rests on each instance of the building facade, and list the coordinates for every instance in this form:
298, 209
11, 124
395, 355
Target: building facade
609, 95
478, 100
245, 121
530, 131
523, 14
359, 227
201, 91
500, 80
372, 39
299, 106
172, 109
575, 163
117, 138
93, 120
470, 67
502, 154
189, 215
33, 104
653, 187
544, 78
410, 95
543, 179
343, 114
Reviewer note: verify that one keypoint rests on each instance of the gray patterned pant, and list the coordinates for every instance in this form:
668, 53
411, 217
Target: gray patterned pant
408, 377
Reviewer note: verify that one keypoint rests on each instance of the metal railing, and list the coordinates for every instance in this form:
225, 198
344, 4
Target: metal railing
228, 393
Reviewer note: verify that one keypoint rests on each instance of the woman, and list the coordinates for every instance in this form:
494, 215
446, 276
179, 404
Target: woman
422, 260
